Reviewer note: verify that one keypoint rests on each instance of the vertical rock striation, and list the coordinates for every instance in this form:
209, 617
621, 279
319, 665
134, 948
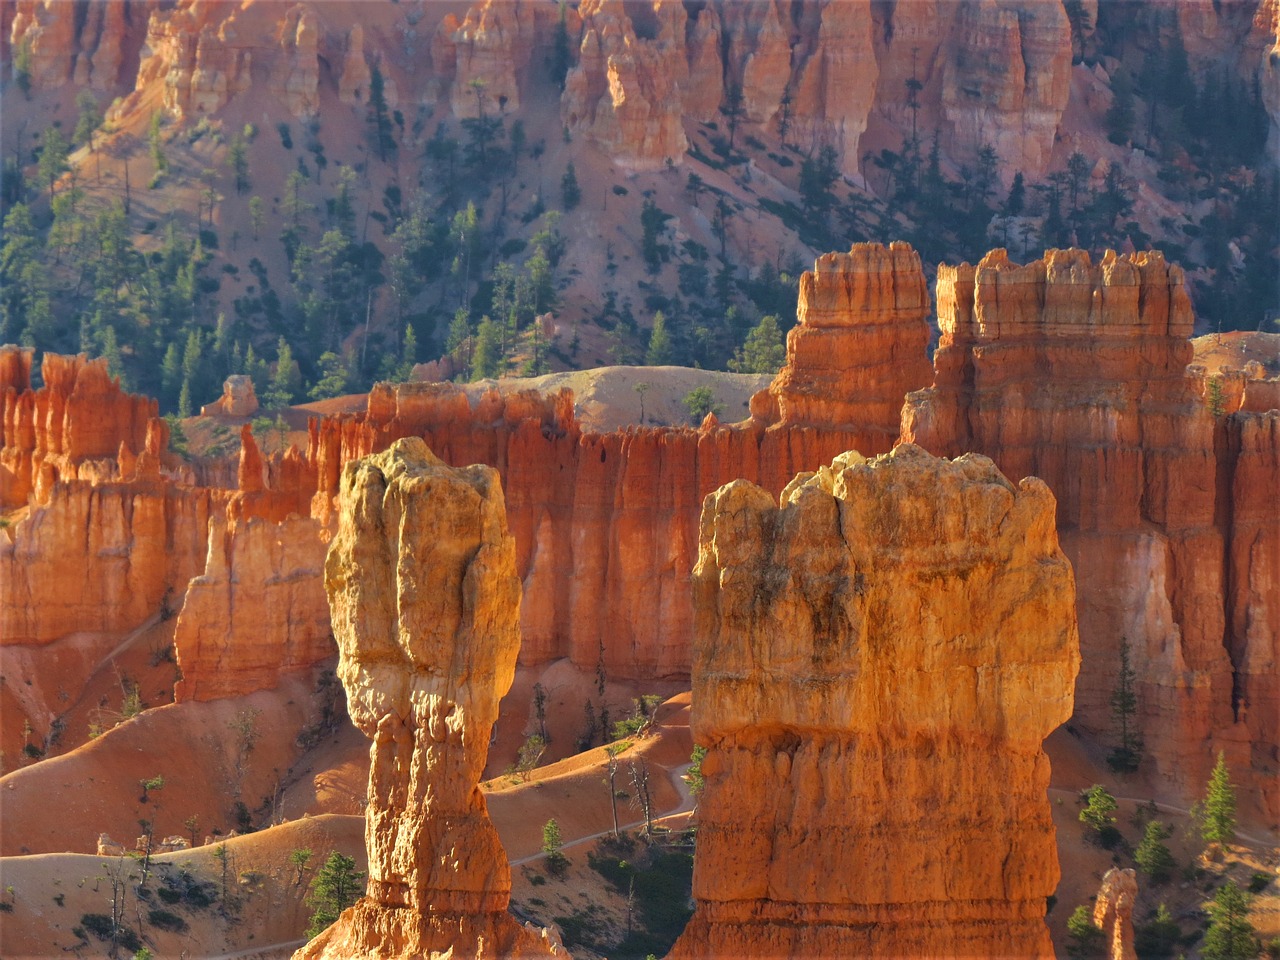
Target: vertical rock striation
1113, 912
901, 629
425, 602
1076, 372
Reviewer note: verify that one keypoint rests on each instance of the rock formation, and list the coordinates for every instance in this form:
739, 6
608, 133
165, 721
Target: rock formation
1113, 912
53, 433
1267, 30
624, 91
256, 611
1006, 79
860, 343
902, 628
606, 524
88, 45
238, 399
422, 584
1253, 596
1075, 372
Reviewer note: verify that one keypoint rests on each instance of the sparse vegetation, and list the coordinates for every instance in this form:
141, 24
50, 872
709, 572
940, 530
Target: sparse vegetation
557, 863
336, 886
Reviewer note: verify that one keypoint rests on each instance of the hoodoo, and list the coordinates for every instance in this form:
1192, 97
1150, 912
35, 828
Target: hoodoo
902, 629
1076, 372
425, 603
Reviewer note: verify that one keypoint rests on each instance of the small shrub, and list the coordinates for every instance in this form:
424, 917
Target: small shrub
619, 190
169, 895
166, 921
1259, 882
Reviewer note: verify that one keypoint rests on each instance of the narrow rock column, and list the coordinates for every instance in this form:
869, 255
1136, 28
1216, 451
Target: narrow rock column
876, 666
425, 605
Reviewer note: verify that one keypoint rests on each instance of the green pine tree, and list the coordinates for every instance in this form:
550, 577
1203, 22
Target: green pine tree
1217, 813
336, 886
557, 862
1099, 807
763, 350
570, 189
1230, 934
486, 358
659, 352
1152, 856
1124, 707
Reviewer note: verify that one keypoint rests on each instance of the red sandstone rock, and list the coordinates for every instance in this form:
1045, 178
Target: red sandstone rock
1075, 373
238, 399
1113, 912
624, 92
101, 557
256, 612
425, 600
860, 343
903, 628
78, 415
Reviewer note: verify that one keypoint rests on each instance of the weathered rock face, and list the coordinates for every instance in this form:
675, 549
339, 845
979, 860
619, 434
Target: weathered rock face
238, 399
624, 92
862, 311
489, 46
606, 524
425, 601
101, 557
1006, 78
835, 84
79, 415
257, 611
1075, 373
1267, 29
901, 628
1253, 594
1113, 912
88, 45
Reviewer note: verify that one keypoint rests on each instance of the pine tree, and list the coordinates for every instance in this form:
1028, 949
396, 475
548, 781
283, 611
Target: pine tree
487, 355
287, 379
659, 352
569, 188
763, 350
1230, 935
336, 886
1086, 939
1098, 813
1152, 856
1120, 116
53, 158
1217, 813
1124, 706
378, 116
334, 377
551, 844
184, 399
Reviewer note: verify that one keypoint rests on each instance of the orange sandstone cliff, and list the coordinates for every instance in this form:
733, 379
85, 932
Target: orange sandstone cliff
902, 629
606, 524
1076, 372
425, 599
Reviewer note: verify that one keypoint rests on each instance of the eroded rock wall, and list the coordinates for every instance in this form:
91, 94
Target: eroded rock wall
606, 524
425, 603
900, 629
1076, 372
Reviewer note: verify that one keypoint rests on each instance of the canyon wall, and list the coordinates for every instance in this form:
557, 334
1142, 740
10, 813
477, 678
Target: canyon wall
1076, 373
606, 524
830, 72
900, 629
425, 599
